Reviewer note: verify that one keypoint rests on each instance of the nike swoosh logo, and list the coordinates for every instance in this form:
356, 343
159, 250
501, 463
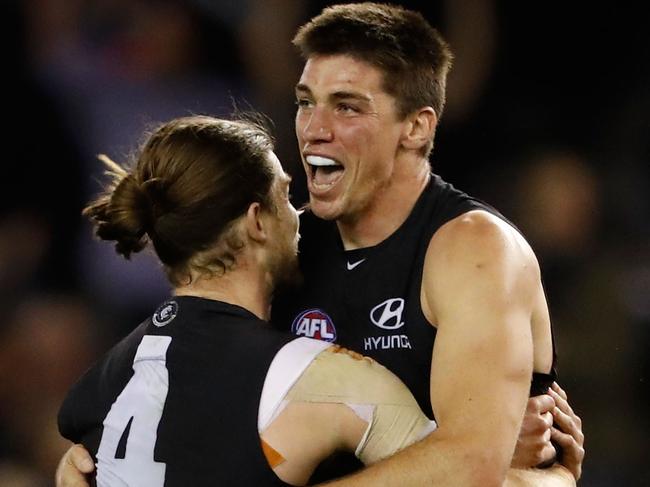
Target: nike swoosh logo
354, 264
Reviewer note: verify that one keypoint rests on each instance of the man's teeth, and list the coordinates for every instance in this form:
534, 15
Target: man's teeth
321, 161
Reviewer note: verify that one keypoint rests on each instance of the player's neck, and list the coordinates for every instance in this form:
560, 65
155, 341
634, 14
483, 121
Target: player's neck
244, 286
387, 211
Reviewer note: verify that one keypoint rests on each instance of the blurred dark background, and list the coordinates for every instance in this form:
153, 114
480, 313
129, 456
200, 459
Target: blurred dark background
547, 119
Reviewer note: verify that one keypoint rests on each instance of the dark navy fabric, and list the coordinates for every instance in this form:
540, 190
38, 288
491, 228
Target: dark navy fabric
217, 361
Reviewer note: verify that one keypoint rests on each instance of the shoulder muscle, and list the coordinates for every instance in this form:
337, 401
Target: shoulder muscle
477, 256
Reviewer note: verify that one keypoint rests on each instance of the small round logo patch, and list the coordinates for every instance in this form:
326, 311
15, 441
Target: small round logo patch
165, 313
314, 323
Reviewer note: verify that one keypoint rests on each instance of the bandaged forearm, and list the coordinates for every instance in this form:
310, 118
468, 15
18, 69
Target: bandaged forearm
374, 393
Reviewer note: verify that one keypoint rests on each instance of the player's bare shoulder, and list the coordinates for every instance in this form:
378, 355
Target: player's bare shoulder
478, 235
476, 249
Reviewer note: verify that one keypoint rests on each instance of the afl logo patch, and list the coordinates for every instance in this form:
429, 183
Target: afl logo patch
165, 313
314, 323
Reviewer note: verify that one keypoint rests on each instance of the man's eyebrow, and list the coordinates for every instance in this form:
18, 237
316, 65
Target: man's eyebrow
337, 95
303, 87
346, 95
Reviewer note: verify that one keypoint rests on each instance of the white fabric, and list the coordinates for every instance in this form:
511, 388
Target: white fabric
287, 367
140, 405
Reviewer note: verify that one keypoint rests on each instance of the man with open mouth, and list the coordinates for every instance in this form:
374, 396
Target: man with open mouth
401, 266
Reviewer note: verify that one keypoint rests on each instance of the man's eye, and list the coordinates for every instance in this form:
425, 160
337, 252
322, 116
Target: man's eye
303, 103
347, 108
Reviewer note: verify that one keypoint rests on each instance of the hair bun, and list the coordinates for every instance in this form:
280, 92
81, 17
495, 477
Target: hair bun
155, 190
124, 213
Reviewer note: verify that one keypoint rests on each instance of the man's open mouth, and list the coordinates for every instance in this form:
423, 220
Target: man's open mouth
323, 171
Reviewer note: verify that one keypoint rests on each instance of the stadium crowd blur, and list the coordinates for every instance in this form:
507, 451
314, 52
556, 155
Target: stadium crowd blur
547, 119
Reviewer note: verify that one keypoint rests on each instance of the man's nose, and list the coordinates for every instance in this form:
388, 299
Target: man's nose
317, 127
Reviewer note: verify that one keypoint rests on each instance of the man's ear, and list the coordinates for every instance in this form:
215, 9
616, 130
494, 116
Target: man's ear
419, 129
255, 223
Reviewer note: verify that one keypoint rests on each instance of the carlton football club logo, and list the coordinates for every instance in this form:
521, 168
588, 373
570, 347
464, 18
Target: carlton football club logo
314, 323
165, 313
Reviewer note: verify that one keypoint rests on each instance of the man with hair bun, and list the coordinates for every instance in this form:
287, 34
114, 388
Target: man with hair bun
187, 396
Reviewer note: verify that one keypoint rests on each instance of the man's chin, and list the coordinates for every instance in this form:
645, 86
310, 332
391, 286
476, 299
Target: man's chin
323, 210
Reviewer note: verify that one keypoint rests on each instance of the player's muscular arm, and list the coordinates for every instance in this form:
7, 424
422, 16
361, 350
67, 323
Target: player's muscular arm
479, 287
479, 284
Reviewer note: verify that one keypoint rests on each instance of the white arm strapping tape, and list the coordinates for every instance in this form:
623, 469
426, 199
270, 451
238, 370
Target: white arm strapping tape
375, 394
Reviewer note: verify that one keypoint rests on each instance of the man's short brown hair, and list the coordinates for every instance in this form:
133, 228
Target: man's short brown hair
412, 55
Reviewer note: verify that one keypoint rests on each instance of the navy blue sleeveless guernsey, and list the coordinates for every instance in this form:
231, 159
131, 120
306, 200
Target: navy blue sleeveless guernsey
368, 299
179, 397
